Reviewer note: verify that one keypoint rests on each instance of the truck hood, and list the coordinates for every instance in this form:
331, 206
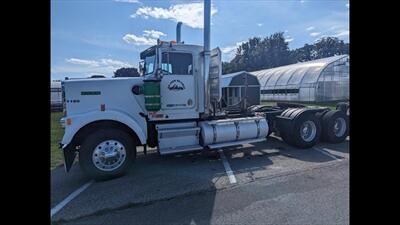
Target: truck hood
85, 95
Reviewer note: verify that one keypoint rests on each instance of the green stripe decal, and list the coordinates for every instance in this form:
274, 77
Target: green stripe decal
90, 93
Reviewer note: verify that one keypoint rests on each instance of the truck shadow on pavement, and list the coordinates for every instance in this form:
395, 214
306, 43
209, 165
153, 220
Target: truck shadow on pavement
274, 146
340, 147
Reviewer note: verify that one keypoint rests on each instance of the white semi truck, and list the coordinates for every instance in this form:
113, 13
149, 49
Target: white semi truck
176, 107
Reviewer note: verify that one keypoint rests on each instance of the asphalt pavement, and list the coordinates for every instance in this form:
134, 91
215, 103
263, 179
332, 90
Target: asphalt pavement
276, 184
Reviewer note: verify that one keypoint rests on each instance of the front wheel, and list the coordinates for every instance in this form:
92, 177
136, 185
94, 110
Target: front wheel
106, 154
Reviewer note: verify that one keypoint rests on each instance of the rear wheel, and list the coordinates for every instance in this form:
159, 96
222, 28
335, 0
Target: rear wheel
335, 126
343, 106
106, 154
269, 131
305, 133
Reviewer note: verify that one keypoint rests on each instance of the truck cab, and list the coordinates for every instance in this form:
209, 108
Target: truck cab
177, 69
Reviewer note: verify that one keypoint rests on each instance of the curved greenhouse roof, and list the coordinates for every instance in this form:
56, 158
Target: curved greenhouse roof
300, 77
295, 74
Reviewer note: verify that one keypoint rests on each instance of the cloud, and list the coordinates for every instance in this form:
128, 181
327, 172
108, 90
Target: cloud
128, 1
260, 24
342, 33
84, 67
228, 49
153, 33
313, 34
348, 5
98, 63
289, 39
302, 1
149, 38
191, 14
229, 52
139, 40
320, 38
333, 27
82, 62
310, 28
114, 63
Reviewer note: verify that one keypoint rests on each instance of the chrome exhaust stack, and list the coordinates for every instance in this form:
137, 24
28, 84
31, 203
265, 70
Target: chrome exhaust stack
207, 53
178, 32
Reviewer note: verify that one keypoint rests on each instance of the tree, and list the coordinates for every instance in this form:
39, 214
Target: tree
259, 53
329, 46
273, 51
126, 72
303, 54
325, 47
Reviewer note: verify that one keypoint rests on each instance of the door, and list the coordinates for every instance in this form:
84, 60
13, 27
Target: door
178, 84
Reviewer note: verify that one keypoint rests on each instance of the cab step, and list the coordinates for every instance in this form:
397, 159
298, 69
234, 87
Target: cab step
178, 137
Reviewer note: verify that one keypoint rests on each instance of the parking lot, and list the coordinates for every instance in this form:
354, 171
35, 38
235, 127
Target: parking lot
263, 183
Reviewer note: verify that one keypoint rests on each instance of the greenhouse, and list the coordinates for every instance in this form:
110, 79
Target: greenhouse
322, 80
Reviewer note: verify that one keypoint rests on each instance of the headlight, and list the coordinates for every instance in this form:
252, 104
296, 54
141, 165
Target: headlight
62, 122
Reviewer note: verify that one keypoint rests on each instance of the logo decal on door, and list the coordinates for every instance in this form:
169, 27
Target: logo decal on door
176, 85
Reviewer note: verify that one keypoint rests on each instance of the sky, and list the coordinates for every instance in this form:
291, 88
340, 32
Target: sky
99, 36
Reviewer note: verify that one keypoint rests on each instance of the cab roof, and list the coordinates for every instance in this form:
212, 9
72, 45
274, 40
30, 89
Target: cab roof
152, 49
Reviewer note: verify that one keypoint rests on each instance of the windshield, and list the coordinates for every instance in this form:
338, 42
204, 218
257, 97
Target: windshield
149, 62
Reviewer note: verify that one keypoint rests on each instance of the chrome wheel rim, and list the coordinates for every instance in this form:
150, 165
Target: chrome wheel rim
109, 155
339, 127
308, 130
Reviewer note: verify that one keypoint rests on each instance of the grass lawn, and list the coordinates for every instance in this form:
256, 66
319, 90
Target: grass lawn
329, 105
56, 134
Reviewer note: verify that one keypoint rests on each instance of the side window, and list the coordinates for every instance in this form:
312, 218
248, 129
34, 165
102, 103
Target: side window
177, 63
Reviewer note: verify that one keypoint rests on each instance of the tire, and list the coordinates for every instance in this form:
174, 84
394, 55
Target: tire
319, 115
92, 157
335, 126
305, 133
269, 132
286, 133
286, 138
343, 106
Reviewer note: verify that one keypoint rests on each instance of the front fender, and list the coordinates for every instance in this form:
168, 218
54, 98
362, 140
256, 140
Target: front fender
138, 125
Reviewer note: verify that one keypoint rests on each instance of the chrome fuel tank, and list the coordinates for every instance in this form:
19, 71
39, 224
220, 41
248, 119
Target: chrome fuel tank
231, 130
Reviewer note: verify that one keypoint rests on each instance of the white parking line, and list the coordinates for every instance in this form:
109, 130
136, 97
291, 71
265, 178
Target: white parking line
69, 198
228, 169
327, 153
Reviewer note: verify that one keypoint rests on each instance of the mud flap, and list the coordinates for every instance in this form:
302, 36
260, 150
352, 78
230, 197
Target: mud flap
69, 157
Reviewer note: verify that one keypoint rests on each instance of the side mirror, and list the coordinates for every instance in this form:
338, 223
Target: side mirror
141, 67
